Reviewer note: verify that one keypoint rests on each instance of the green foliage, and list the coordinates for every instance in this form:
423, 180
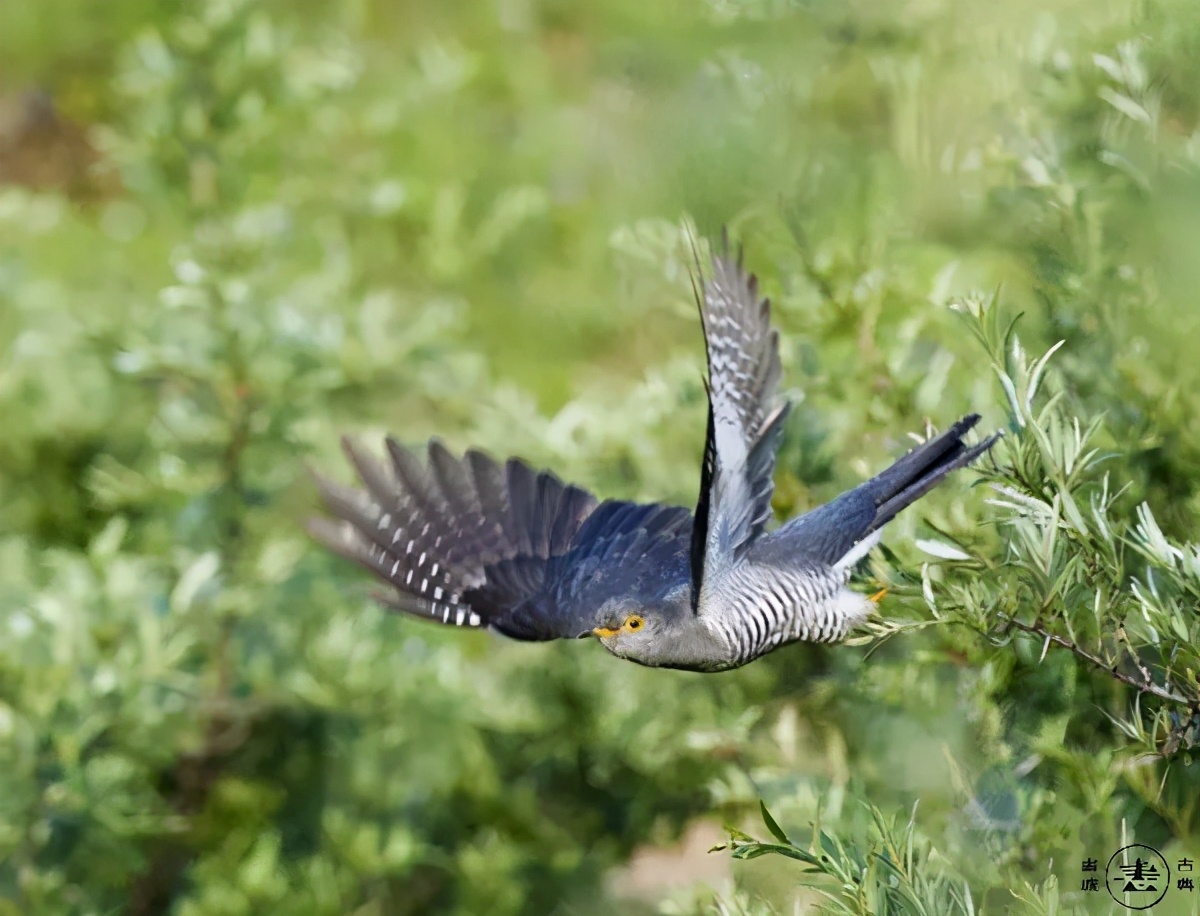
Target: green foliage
895, 873
476, 220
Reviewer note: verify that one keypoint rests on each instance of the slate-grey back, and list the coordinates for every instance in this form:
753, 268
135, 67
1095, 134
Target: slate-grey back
471, 542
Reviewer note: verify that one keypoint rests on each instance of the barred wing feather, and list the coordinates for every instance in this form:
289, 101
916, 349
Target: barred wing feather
744, 427
472, 542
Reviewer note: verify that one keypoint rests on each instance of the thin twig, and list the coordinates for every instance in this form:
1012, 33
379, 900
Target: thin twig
1147, 686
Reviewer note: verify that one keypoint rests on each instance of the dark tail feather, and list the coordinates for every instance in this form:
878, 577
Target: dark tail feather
924, 468
829, 533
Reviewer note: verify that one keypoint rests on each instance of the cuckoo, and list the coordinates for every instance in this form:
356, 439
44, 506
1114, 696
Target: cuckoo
467, 541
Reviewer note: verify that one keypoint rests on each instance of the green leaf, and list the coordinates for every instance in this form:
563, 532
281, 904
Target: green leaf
776, 830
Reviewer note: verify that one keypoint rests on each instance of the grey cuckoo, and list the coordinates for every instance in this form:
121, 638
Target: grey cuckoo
471, 542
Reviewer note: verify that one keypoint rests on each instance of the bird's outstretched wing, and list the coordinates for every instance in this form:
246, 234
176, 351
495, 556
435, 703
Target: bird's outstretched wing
744, 425
475, 543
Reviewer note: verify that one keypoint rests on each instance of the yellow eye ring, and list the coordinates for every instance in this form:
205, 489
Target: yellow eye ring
633, 623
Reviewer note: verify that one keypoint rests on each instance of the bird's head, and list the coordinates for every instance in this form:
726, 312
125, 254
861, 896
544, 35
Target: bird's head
638, 630
624, 625
627, 625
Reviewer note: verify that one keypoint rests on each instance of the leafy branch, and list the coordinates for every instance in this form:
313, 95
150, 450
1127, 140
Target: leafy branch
1072, 570
1145, 685
895, 872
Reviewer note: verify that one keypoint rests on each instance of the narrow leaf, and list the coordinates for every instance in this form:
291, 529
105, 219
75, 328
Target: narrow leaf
776, 830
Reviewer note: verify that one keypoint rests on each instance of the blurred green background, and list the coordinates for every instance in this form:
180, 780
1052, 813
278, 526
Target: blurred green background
233, 230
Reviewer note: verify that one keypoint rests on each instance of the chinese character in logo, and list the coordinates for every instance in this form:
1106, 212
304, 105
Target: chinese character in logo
1090, 864
1185, 864
1090, 884
1185, 884
1137, 876
1140, 876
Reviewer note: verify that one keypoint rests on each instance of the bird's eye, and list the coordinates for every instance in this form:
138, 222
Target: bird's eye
633, 623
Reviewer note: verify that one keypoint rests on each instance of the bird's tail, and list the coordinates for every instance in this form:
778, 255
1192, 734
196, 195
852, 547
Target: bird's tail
457, 538
922, 469
843, 531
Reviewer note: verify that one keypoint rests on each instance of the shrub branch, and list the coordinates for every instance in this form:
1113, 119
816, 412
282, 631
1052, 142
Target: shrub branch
1147, 685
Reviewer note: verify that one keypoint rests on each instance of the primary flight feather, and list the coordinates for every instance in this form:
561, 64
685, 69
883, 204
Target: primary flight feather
471, 542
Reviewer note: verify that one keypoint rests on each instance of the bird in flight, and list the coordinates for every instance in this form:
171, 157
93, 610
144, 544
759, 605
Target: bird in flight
471, 542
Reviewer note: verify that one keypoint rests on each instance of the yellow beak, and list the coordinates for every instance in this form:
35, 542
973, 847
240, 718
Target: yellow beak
604, 632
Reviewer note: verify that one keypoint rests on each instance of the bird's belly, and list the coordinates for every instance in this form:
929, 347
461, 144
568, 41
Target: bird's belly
758, 618
829, 620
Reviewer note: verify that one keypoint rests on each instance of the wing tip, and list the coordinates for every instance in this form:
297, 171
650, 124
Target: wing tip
350, 448
326, 531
